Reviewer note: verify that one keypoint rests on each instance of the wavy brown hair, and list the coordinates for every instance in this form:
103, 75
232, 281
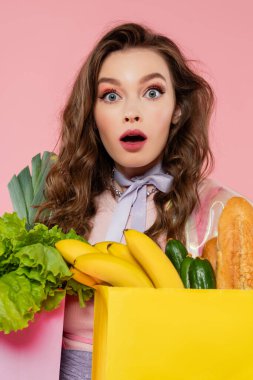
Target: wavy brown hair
84, 168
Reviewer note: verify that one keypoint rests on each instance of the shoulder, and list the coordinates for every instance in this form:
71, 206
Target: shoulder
212, 189
212, 198
202, 225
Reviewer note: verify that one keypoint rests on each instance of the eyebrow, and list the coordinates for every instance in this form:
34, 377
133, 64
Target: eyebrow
142, 80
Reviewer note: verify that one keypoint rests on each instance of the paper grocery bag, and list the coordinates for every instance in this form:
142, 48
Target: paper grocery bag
177, 334
34, 352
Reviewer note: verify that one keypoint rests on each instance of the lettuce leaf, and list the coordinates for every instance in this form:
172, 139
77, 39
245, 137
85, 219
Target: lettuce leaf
14, 235
12, 227
84, 292
19, 301
33, 274
42, 263
52, 301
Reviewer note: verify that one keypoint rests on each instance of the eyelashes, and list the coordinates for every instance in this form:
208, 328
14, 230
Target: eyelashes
155, 87
159, 88
107, 92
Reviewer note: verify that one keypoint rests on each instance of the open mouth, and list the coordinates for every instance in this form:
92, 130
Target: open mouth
133, 140
133, 136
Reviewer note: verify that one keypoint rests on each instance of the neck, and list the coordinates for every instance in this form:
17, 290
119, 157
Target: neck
136, 171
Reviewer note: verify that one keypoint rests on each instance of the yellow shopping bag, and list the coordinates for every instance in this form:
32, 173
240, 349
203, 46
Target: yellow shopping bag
177, 334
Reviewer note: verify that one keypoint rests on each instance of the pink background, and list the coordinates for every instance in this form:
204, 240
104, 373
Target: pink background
43, 44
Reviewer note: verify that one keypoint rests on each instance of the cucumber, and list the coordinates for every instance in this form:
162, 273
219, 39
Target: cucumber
176, 252
201, 274
184, 271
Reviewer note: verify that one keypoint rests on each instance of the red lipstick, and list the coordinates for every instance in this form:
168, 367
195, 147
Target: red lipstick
133, 140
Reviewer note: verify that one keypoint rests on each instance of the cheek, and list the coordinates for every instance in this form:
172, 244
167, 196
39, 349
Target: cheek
160, 123
165, 115
107, 129
160, 114
105, 120
102, 120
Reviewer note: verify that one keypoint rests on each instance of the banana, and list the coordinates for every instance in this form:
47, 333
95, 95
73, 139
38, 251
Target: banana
70, 249
82, 277
102, 246
112, 270
153, 260
121, 250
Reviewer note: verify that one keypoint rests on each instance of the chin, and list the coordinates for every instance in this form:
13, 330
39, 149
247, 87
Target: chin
135, 163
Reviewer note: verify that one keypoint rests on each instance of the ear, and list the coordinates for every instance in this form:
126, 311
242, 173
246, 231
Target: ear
176, 115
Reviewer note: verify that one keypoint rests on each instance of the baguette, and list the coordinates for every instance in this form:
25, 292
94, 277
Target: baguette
235, 246
210, 252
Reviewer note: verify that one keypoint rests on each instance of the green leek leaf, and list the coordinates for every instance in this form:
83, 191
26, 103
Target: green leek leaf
36, 167
47, 160
27, 191
40, 177
25, 181
17, 197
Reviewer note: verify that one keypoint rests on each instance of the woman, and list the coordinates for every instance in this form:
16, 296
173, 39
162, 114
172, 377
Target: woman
134, 152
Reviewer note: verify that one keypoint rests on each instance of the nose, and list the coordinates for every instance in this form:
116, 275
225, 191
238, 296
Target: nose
132, 111
131, 119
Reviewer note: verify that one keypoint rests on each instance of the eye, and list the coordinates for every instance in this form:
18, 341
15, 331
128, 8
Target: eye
109, 96
155, 92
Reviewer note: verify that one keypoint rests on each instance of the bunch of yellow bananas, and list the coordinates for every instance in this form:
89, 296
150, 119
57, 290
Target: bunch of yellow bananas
138, 263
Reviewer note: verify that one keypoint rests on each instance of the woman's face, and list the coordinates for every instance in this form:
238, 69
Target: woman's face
134, 109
